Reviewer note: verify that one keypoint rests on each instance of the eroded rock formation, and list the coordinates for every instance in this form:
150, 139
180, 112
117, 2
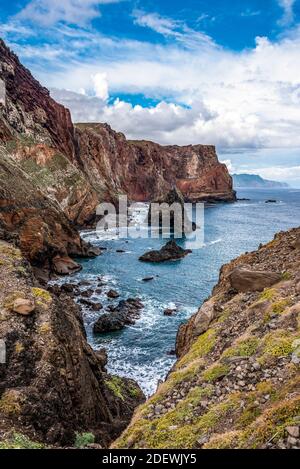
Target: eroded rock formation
146, 170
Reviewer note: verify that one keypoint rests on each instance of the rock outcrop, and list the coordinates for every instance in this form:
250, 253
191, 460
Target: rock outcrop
125, 314
146, 170
53, 386
169, 214
236, 383
169, 252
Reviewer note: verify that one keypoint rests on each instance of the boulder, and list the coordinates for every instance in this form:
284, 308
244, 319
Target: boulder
126, 313
65, 265
23, 306
296, 244
170, 252
245, 280
169, 311
112, 294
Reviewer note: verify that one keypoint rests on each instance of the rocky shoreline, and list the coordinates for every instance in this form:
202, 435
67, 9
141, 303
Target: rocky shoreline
236, 382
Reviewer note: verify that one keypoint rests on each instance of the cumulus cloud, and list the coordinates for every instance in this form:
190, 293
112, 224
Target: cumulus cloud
279, 173
77, 12
240, 100
100, 85
288, 15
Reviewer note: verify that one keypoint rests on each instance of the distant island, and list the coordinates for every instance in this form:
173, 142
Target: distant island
254, 180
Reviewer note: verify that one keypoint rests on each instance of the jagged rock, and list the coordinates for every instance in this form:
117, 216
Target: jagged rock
245, 280
23, 306
112, 294
169, 311
126, 313
65, 265
102, 357
170, 252
159, 213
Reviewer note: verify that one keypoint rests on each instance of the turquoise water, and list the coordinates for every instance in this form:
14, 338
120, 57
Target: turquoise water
141, 351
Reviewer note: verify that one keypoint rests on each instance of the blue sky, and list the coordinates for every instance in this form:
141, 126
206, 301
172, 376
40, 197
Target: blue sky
225, 72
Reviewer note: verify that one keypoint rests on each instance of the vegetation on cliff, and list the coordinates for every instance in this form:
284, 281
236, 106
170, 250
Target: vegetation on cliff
236, 383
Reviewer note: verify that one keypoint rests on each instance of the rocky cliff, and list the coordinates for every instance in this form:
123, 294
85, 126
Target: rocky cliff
145, 170
53, 386
236, 383
47, 162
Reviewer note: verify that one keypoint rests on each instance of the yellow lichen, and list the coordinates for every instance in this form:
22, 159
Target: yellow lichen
9, 402
19, 347
44, 328
215, 372
242, 348
201, 347
43, 297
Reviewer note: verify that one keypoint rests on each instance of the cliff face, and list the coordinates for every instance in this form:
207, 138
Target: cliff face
145, 170
236, 383
52, 384
38, 133
76, 169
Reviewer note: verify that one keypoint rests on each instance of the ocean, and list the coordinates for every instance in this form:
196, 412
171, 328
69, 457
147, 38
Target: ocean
142, 351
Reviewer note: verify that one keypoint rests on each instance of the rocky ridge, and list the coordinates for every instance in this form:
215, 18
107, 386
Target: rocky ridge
236, 383
54, 388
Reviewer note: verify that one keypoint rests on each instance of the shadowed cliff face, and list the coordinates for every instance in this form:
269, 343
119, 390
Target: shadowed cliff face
52, 384
145, 170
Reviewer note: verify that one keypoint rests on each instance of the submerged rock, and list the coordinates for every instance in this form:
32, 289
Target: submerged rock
170, 252
147, 279
126, 313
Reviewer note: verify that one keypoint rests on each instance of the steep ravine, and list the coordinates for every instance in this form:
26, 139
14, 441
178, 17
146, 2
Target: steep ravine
236, 383
54, 389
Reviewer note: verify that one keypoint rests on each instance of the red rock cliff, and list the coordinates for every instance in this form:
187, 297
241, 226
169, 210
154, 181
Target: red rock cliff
145, 170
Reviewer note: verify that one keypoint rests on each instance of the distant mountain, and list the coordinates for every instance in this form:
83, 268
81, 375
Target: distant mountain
254, 180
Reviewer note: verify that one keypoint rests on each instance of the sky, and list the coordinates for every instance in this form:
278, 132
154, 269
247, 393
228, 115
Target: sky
222, 72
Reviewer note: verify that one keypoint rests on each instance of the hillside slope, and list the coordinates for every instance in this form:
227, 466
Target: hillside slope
236, 383
52, 384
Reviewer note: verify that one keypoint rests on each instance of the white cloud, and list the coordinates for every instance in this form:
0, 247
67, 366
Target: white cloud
171, 28
278, 173
100, 86
288, 12
248, 99
230, 166
77, 12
